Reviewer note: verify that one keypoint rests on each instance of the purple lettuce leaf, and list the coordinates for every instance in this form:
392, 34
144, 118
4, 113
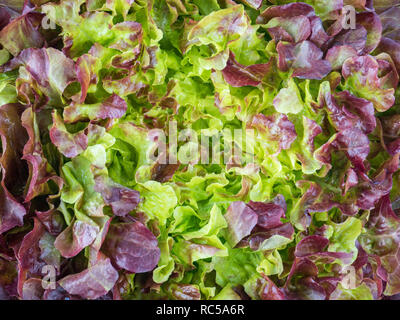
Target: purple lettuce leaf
372, 272
318, 34
32, 289
22, 32
390, 23
121, 199
86, 74
258, 240
269, 214
387, 71
5, 16
11, 213
337, 55
14, 170
241, 221
379, 185
391, 47
353, 143
94, 248
354, 38
48, 73
372, 23
313, 247
163, 172
67, 143
362, 77
113, 107
238, 75
77, 236
305, 58
92, 282
276, 128
254, 223
286, 11
184, 292
132, 247
270, 291
346, 111
35, 251
383, 239
40, 171
294, 29
311, 194
301, 282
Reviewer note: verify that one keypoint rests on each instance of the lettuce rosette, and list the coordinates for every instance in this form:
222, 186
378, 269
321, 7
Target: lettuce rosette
199, 149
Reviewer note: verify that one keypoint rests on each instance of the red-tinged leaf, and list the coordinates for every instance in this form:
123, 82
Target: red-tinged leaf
132, 247
163, 172
271, 291
36, 251
294, 29
58, 294
379, 185
391, 47
32, 289
85, 73
305, 59
113, 107
301, 284
383, 239
241, 221
372, 23
131, 34
11, 212
13, 139
355, 144
351, 180
286, 11
269, 214
238, 75
75, 238
318, 34
22, 33
126, 86
48, 73
362, 76
14, 173
121, 199
275, 128
311, 131
390, 20
311, 245
260, 235
93, 282
40, 171
29, 252
67, 143
387, 71
346, 111
185, 292
94, 248
355, 38
337, 55
280, 34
